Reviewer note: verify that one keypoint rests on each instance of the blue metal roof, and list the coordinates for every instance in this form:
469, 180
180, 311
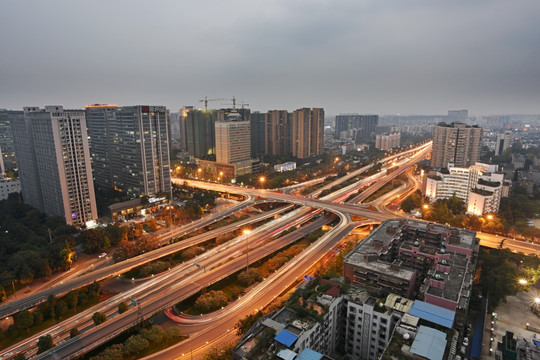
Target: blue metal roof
429, 343
286, 338
286, 354
308, 354
436, 314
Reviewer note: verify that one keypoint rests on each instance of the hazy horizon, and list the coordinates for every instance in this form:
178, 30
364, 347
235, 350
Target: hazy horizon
361, 57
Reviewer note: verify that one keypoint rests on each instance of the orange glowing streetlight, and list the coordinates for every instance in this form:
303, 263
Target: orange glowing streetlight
523, 282
426, 206
262, 179
490, 217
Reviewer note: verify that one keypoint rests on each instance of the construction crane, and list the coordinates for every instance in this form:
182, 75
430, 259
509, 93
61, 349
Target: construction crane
206, 100
234, 103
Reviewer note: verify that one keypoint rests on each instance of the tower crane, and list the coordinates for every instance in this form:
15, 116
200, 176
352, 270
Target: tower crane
206, 100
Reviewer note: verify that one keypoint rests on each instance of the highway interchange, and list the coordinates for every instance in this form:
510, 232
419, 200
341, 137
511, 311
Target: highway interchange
169, 288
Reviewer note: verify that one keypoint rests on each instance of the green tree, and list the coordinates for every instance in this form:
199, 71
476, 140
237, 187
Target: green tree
220, 353
211, 301
244, 324
135, 344
51, 302
92, 241
38, 317
44, 343
99, 318
72, 298
25, 320
122, 307
74, 332
246, 278
154, 335
61, 309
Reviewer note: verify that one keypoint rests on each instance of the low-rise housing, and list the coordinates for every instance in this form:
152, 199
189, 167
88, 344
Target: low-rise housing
8, 186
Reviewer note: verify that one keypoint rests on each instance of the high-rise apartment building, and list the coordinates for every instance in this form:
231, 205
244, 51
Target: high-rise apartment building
233, 143
200, 133
358, 127
182, 118
7, 149
104, 141
53, 158
504, 141
387, 141
307, 132
278, 132
130, 145
257, 126
455, 143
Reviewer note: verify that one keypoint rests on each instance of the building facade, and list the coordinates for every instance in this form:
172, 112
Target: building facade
278, 127
503, 142
258, 138
8, 186
233, 143
480, 186
51, 146
7, 149
387, 141
200, 133
358, 127
455, 143
307, 132
131, 148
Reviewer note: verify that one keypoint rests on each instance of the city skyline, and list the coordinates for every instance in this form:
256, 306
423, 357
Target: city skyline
346, 57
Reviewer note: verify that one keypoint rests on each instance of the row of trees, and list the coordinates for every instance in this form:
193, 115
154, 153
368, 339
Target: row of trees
500, 272
31, 244
53, 310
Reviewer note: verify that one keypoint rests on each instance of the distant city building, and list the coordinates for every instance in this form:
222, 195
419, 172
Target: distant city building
54, 163
387, 141
182, 118
307, 132
130, 145
455, 143
200, 133
233, 143
257, 127
7, 150
278, 126
288, 166
503, 142
479, 186
458, 116
8, 186
357, 127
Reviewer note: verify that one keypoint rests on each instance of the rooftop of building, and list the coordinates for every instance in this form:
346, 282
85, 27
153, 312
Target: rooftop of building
391, 233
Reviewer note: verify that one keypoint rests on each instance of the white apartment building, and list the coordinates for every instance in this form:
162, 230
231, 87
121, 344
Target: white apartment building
233, 143
8, 186
53, 157
479, 186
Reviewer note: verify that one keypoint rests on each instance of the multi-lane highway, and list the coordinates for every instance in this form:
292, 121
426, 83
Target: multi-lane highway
304, 261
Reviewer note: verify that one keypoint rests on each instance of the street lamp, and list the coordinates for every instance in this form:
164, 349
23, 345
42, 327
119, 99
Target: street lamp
426, 206
246, 233
523, 282
261, 180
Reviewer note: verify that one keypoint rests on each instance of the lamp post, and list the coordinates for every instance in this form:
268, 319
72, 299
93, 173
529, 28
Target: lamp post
262, 180
246, 233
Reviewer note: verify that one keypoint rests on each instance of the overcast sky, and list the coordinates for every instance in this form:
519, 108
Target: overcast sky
376, 56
